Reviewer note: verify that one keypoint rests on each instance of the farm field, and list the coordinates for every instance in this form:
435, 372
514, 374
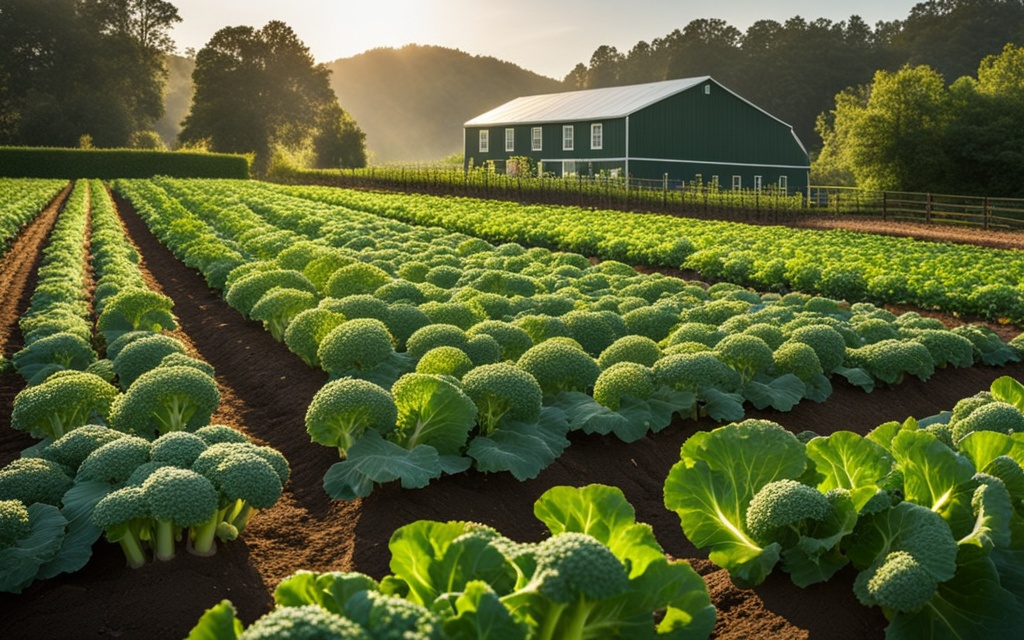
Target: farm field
265, 389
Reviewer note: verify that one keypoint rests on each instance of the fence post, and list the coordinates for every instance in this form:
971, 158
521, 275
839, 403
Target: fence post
987, 214
885, 204
928, 208
664, 191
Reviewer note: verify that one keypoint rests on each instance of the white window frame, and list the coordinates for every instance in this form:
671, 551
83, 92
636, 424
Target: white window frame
597, 135
757, 183
784, 183
485, 141
568, 168
568, 136
510, 139
536, 139
737, 182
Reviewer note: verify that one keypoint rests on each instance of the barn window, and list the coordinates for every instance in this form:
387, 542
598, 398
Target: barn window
567, 137
784, 183
737, 183
568, 168
757, 183
510, 139
707, 89
536, 141
596, 135
485, 141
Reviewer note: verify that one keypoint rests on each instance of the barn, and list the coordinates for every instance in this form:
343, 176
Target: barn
691, 129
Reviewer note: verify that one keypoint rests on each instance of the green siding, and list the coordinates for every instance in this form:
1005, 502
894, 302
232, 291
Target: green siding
687, 135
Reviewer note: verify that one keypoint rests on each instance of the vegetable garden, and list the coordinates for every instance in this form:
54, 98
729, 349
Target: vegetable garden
321, 375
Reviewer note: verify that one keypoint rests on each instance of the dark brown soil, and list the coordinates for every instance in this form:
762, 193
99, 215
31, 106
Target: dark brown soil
265, 392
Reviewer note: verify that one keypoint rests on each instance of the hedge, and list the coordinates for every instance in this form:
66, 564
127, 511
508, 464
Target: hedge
107, 164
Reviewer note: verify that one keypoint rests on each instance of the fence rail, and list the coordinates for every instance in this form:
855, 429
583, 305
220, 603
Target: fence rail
663, 196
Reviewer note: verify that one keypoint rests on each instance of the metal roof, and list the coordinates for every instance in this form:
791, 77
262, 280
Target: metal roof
589, 104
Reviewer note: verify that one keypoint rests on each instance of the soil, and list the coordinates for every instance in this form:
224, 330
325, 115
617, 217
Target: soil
265, 390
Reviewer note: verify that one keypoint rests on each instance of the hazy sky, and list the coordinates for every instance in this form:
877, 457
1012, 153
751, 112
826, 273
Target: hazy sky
545, 36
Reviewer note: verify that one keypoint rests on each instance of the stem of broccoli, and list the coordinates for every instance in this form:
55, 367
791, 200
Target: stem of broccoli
550, 623
243, 516
577, 621
164, 540
203, 537
132, 550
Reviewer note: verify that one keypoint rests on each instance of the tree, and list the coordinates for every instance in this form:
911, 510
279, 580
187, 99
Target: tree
256, 89
70, 68
338, 142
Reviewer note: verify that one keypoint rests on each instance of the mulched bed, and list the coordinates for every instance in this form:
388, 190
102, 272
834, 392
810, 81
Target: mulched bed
265, 392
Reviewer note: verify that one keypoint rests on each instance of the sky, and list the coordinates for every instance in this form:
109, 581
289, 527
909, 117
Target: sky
548, 37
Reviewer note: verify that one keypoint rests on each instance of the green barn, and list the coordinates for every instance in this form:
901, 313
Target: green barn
688, 129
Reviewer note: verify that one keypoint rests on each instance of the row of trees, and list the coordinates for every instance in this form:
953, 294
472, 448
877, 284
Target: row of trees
93, 71
909, 131
794, 69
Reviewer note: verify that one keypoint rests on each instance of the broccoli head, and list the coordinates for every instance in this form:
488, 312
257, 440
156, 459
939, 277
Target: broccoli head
695, 371
483, 349
61, 351
342, 411
62, 403
135, 309
654, 322
992, 416
621, 380
890, 360
828, 344
216, 433
178, 499
899, 583
784, 505
436, 335
244, 293
362, 305
14, 523
631, 348
308, 329
592, 330
182, 360
115, 461
279, 306
245, 482
706, 334
402, 321
125, 518
745, 354
177, 448
512, 340
305, 622
389, 617
945, 347
446, 361
770, 333
356, 278
502, 392
166, 399
541, 327
797, 358
559, 366
142, 355
33, 480
359, 344
75, 446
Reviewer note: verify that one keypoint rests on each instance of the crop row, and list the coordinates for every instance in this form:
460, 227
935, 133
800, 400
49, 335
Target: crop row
837, 264
22, 201
125, 446
446, 352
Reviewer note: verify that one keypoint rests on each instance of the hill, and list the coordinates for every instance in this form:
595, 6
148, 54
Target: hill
412, 101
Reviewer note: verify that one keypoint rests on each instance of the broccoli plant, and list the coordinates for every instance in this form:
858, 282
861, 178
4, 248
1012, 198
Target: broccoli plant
135, 309
752, 514
30, 537
433, 423
166, 399
307, 330
343, 410
144, 354
53, 353
64, 402
279, 306
515, 432
362, 348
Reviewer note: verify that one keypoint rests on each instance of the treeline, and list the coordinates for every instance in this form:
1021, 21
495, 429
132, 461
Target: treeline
795, 69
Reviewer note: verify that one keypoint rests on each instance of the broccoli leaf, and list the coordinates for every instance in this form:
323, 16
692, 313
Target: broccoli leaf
20, 563
217, 623
857, 377
522, 449
328, 590
374, 459
432, 410
782, 393
848, 461
478, 614
936, 477
634, 419
76, 548
1008, 390
721, 406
